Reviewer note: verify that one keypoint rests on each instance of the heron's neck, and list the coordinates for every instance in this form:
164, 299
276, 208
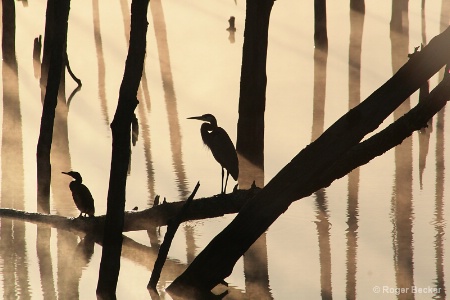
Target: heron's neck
206, 130
207, 127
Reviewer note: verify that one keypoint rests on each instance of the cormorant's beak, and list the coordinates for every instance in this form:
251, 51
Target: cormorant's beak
196, 118
67, 173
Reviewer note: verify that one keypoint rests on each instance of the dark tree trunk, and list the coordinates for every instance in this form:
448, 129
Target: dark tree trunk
252, 98
121, 135
49, 37
320, 24
315, 163
358, 5
56, 62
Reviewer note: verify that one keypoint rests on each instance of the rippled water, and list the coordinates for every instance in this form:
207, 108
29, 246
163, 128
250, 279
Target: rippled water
381, 228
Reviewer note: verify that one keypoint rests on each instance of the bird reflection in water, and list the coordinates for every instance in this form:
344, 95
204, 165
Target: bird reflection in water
80, 258
221, 146
81, 195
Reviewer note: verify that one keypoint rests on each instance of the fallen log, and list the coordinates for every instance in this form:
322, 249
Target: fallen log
147, 219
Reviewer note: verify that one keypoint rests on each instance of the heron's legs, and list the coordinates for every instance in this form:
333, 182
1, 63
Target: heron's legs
226, 181
221, 186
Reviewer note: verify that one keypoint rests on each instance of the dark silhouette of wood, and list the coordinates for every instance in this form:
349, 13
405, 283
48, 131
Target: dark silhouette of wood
358, 5
121, 136
58, 140
251, 170
358, 155
9, 32
252, 98
217, 260
165, 246
69, 69
49, 37
60, 12
148, 219
320, 24
37, 45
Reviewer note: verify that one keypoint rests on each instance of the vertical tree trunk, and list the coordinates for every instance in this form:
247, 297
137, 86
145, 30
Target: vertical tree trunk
320, 24
252, 98
358, 5
121, 136
61, 14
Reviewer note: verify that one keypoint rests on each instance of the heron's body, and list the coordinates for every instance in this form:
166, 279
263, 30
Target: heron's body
221, 146
81, 195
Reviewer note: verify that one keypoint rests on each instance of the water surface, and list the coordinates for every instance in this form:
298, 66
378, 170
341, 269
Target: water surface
382, 226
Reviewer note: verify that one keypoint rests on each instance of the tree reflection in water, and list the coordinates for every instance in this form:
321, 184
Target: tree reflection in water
57, 265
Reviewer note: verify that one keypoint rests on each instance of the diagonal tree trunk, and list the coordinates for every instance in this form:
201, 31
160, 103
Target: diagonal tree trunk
217, 260
121, 137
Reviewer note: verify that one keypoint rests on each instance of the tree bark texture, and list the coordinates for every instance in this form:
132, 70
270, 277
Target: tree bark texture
252, 98
60, 15
121, 136
217, 260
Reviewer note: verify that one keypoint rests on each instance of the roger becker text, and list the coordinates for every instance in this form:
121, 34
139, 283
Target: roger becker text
384, 289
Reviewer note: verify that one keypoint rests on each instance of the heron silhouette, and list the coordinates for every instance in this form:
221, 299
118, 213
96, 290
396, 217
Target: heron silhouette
221, 146
81, 195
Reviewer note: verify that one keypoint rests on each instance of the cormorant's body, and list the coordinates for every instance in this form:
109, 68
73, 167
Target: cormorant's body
81, 195
221, 146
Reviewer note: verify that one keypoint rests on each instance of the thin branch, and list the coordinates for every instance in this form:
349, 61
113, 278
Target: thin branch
165, 246
69, 69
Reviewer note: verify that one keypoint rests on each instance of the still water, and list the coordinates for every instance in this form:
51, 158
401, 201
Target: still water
378, 233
